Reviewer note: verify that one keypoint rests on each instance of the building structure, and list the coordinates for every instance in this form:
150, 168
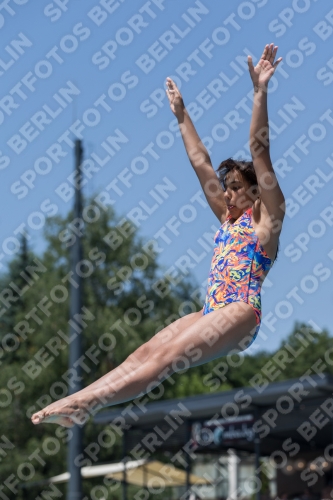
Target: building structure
280, 432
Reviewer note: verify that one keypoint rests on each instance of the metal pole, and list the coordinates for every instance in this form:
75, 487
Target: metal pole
124, 460
257, 458
217, 474
144, 477
75, 350
188, 460
232, 473
257, 465
332, 467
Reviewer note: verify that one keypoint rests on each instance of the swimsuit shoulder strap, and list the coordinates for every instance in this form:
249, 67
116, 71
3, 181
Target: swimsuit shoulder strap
241, 217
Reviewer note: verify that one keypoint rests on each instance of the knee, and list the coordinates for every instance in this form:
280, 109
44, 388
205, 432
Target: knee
161, 357
141, 354
172, 358
155, 350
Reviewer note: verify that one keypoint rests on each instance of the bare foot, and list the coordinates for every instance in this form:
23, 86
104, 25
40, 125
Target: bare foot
67, 412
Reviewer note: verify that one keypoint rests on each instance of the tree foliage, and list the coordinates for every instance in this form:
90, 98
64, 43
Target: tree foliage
124, 308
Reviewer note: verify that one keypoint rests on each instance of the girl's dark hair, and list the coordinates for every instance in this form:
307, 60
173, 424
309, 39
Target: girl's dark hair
248, 173
246, 169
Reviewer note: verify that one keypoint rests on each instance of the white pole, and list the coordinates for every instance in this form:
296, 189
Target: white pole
232, 473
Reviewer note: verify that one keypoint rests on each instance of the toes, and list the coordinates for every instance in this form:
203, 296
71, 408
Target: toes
65, 417
63, 420
37, 418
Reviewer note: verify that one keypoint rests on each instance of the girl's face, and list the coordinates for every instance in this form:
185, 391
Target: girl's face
239, 195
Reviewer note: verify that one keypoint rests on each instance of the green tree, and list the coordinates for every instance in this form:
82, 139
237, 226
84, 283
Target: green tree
123, 309
298, 352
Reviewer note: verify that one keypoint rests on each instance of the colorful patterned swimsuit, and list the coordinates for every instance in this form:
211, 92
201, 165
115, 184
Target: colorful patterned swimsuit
237, 268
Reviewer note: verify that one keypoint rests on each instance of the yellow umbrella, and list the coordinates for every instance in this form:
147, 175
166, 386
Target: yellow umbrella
156, 475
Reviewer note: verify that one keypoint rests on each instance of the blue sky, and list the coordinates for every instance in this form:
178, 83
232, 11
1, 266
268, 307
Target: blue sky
113, 58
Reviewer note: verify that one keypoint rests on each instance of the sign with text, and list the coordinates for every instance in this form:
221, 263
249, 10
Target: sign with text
223, 431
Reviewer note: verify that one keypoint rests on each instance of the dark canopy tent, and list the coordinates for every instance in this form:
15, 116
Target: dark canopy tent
298, 400
300, 410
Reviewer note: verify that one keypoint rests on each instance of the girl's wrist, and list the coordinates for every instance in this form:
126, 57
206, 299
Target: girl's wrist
180, 113
260, 88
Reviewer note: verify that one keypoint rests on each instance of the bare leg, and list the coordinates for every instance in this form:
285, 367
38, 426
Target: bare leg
136, 359
204, 339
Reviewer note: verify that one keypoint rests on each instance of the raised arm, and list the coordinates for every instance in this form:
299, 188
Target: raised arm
271, 196
197, 153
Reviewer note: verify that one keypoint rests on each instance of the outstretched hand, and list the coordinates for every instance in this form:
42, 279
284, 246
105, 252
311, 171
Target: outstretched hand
264, 70
175, 98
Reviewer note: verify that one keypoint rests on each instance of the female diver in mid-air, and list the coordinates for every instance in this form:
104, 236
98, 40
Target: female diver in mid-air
248, 201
